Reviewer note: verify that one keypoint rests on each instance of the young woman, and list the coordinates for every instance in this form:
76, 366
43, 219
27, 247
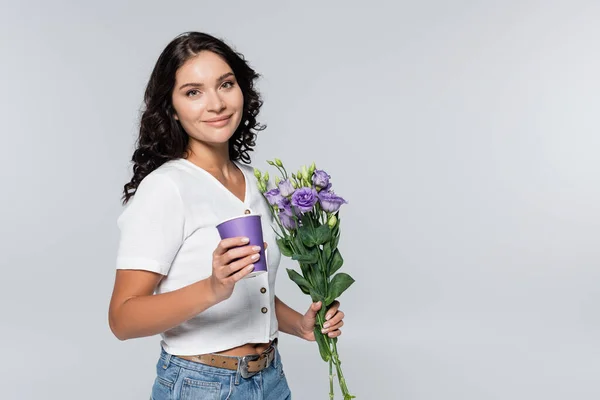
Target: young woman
175, 277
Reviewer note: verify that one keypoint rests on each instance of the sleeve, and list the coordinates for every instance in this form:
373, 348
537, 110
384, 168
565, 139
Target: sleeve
151, 226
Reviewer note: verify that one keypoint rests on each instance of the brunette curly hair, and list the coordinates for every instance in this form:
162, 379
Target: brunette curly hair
161, 137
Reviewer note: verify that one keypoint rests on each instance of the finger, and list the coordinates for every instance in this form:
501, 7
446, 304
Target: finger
239, 252
234, 267
333, 328
266, 245
241, 274
332, 310
335, 319
313, 309
228, 243
334, 333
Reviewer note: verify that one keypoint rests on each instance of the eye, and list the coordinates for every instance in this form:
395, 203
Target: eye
228, 84
193, 92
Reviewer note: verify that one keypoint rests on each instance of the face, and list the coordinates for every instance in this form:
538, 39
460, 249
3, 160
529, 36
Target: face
207, 99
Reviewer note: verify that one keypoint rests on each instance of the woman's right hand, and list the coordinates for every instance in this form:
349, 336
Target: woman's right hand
233, 259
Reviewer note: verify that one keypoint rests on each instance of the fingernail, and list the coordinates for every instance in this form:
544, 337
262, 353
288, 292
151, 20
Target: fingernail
327, 316
255, 256
250, 267
323, 330
245, 240
256, 248
325, 325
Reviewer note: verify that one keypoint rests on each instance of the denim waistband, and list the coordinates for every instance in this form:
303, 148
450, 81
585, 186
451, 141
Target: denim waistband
167, 358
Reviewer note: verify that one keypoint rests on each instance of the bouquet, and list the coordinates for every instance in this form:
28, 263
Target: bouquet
306, 211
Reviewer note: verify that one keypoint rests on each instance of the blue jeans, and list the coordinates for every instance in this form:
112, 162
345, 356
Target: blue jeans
179, 379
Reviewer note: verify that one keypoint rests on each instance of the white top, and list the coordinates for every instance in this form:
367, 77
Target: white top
169, 227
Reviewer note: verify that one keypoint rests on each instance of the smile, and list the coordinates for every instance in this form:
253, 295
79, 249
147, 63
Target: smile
218, 122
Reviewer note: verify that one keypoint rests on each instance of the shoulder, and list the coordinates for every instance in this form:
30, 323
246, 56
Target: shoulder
162, 184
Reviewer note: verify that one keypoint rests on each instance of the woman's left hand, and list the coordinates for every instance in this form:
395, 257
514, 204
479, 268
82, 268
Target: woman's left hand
333, 321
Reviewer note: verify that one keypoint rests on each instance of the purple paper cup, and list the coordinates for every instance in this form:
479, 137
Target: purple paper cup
248, 225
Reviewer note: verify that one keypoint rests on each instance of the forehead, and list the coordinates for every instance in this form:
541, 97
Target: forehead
204, 67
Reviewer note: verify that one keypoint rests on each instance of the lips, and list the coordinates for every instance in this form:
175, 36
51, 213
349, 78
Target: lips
219, 122
219, 119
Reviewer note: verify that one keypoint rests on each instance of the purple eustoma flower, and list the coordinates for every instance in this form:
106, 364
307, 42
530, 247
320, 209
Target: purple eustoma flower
330, 202
285, 188
287, 220
320, 178
273, 196
304, 199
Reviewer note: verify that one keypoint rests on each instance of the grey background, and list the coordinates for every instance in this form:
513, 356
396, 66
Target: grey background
464, 134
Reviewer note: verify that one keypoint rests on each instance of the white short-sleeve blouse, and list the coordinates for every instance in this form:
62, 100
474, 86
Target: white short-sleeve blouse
169, 227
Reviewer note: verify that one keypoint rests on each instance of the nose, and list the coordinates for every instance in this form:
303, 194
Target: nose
215, 103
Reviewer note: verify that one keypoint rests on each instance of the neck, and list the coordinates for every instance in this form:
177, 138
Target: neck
212, 159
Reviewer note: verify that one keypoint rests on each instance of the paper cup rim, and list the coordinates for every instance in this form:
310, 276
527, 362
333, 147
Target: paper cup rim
239, 216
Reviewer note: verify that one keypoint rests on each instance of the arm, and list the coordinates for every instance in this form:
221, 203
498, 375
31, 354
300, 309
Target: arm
135, 312
288, 319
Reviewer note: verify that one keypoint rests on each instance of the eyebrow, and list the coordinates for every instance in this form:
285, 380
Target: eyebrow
195, 84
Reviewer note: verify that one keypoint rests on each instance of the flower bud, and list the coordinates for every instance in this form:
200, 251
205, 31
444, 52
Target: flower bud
257, 173
332, 221
278, 162
305, 172
270, 162
266, 177
277, 180
262, 187
312, 168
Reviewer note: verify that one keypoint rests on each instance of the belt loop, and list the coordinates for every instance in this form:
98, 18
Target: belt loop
238, 373
167, 361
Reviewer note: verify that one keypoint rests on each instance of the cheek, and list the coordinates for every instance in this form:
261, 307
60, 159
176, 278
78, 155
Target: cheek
189, 111
237, 98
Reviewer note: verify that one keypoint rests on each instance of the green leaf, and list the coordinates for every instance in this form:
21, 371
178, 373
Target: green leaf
299, 280
323, 345
299, 245
319, 281
327, 252
310, 258
335, 240
307, 221
306, 235
305, 269
335, 263
316, 296
322, 234
338, 285
284, 247
314, 236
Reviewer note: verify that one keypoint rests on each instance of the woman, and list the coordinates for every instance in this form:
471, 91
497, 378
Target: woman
175, 277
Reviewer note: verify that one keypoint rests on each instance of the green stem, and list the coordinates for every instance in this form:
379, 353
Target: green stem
335, 359
338, 366
330, 379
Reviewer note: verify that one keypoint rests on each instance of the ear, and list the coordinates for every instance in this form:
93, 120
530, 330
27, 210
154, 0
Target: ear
176, 117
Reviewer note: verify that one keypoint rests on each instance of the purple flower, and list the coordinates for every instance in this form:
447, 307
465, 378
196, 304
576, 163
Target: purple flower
273, 196
285, 205
285, 188
304, 198
320, 178
287, 220
330, 202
